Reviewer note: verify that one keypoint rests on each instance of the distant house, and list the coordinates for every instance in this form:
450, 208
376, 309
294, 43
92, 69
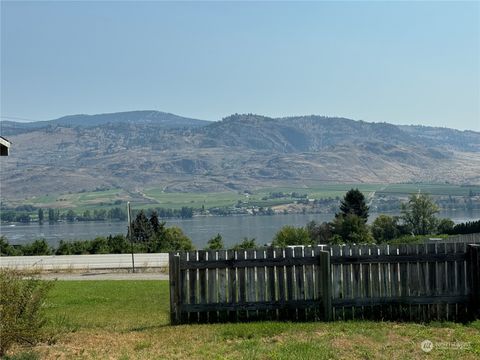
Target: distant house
4, 146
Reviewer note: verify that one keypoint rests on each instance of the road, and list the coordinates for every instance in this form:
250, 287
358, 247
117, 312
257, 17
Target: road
103, 275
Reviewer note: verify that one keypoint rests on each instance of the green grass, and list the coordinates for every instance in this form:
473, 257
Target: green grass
432, 189
156, 197
130, 320
80, 201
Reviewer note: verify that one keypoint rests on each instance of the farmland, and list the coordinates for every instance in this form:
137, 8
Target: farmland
157, 197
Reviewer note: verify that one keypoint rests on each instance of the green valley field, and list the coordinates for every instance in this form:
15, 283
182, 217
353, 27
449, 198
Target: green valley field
130, 320
157, 197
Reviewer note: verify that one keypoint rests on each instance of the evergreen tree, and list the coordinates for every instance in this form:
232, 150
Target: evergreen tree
246, 244
215, 243
353, 203
141, 228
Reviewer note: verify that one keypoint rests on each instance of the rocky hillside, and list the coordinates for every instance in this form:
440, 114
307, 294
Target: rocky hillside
141, 149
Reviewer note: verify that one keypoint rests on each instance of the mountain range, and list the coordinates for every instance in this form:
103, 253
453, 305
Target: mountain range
139, 149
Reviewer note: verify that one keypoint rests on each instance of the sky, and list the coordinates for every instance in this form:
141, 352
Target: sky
398, 62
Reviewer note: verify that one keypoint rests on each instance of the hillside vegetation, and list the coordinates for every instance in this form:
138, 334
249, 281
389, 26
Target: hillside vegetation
140, 150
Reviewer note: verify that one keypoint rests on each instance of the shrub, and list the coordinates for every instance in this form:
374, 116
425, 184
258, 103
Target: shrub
290, 235
246, 244
8, 250
215, 243
21, 309
445, 226
176, 240
385, 228
352, 229
38, 247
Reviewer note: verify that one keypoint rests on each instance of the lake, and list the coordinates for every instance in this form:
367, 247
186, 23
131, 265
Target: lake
200, 229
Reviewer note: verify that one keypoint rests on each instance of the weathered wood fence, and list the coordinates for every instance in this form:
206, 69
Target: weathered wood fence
406, 282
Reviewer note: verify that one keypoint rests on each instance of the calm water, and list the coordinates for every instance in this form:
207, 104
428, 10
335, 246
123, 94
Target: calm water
233, 229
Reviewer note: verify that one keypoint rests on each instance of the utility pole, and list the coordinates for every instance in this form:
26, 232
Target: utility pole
129, 217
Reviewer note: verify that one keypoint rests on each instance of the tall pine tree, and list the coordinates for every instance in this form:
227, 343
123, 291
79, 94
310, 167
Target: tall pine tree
354, 204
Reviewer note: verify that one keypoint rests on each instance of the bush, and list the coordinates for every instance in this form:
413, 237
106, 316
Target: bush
21, 309
385, 228
445, 226
38, 247
176, 240
320, 233
215, 243
352, 229
290, 235
246, 244
8, 250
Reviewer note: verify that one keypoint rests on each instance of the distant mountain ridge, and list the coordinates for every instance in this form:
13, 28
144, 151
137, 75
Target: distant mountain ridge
140, 149
159, 118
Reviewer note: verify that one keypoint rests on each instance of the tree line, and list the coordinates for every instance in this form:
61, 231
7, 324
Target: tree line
149, 235
52, 216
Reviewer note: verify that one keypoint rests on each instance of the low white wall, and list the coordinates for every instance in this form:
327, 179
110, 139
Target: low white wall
65, 262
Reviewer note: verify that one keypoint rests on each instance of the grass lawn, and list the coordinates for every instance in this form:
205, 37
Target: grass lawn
130, 320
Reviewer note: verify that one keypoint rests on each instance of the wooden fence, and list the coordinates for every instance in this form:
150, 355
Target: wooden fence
421, 282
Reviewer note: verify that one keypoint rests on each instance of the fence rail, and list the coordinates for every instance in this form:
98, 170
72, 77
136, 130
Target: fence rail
421, 282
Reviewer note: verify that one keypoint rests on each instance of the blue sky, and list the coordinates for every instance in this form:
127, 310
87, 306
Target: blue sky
399, 62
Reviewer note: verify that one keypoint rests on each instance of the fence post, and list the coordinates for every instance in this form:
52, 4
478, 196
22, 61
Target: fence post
325, 284
174, 277
473, 270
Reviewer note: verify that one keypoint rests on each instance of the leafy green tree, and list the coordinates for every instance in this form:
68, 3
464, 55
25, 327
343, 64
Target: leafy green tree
290, 235
70, 216
246, 244
53, 215
87, 215
445, 226
418, 214
215, 243
385, 228
40, 216
354, 203
7, 216
176, 240
352, 229
23, 218
99, 215
320, 233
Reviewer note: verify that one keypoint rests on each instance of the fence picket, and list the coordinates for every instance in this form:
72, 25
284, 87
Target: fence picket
282, 297
299, 282
233, 286
261, 284
291, 294
251, 286
193, 316
242, 286
222, 286
212, 286
202, 278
